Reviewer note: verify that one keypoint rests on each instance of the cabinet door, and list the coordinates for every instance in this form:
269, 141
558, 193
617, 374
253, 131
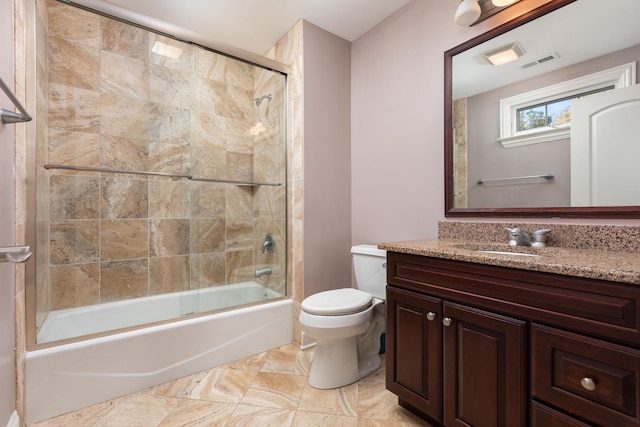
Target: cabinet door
484, 368
414, 350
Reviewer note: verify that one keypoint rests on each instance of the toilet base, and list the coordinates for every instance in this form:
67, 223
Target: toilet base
335, 364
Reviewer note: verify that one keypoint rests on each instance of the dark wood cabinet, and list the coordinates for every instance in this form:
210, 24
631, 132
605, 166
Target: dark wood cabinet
477, 345
483, 367
415, 329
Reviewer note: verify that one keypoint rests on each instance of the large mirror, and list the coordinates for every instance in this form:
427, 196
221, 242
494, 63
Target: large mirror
556, 131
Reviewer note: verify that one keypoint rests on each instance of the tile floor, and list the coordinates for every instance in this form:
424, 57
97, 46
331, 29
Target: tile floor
268, 389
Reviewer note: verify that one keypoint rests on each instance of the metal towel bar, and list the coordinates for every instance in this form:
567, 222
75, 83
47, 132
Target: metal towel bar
14, 254
168, 175
8, 116
545, 176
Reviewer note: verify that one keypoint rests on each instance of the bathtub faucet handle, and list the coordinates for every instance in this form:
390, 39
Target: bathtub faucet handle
269, 243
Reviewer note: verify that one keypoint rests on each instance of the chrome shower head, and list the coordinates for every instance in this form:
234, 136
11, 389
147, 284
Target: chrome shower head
259, 100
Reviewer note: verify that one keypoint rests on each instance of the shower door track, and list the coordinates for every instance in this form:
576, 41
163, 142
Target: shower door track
163, 174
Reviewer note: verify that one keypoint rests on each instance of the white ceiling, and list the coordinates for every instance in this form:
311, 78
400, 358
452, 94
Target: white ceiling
256, 25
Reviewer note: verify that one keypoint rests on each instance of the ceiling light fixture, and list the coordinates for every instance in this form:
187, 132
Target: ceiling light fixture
468, 12
504, 54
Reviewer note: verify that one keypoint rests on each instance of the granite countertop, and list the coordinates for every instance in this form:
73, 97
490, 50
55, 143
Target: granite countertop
622, 266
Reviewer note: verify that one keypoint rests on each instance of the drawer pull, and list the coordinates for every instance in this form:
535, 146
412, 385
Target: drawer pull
588, 383
447, 321
431, 315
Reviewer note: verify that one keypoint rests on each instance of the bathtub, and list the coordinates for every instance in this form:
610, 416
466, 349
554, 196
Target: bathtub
72, 376
76, 322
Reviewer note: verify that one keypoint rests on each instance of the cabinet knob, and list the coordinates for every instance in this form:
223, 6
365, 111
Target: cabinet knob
447, 321
588, 383
431, 315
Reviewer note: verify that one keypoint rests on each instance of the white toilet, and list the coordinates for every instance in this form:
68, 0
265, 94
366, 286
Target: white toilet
347, 323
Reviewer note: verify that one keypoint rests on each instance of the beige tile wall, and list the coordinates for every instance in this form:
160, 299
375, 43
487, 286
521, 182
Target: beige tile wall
289, 50
109, 101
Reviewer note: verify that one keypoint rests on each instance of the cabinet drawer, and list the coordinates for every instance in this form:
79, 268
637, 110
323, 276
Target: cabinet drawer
596, 380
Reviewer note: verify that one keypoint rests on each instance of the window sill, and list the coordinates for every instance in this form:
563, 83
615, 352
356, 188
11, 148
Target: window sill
537, 137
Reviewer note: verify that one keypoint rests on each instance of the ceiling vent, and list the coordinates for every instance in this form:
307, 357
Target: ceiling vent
539, 61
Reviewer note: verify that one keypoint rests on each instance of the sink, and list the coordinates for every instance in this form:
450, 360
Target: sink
506, 250
516, 254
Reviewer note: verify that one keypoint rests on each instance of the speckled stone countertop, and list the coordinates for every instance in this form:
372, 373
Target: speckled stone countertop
599, 263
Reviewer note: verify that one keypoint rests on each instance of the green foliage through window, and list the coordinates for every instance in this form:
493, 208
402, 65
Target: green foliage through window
550, 114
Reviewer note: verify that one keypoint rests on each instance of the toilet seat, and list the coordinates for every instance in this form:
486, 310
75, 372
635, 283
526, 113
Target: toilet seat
337, 302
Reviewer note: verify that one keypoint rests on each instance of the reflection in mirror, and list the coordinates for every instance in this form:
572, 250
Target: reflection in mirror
513, 145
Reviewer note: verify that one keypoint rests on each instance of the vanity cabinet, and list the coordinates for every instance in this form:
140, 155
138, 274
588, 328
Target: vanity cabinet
478, 345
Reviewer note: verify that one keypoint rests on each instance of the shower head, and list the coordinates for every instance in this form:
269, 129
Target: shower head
259, 100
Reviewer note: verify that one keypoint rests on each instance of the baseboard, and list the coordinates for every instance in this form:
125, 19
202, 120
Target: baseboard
307, 342
14, 421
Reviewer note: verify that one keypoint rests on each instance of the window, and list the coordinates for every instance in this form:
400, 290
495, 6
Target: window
544, 114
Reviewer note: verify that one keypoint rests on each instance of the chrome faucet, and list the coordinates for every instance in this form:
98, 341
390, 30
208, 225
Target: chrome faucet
266, 271
518, 237
269, 243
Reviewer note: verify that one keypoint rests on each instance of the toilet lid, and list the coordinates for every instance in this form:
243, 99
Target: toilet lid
337, 302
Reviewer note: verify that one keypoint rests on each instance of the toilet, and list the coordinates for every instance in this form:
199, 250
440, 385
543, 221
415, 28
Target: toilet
347, 323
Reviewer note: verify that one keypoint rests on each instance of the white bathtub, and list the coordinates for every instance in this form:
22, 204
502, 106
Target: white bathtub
72, 376
76, 322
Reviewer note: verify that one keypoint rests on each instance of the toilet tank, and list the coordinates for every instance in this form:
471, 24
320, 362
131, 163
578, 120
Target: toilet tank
370, 266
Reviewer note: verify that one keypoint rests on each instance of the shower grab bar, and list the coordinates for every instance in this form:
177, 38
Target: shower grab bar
8, 116
545, 176
164, 174
15, 254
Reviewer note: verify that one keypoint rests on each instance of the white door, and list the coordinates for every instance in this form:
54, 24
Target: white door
605, 149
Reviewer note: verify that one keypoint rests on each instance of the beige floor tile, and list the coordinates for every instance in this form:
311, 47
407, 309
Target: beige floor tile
338, 401
138, 410
275, 390
314, 419
198, 413
251, 363
288, 360
182, 387
223, 385
377, 403
257, 416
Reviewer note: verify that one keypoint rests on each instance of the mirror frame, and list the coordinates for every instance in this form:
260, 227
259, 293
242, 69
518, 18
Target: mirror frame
449, 209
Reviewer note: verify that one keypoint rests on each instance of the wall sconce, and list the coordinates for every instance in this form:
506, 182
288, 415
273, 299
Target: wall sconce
470, 12
504, 54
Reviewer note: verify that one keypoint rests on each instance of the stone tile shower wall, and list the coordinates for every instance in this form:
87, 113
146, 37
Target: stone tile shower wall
111, 102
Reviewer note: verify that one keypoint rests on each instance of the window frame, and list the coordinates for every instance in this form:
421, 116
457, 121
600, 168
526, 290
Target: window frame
619, 77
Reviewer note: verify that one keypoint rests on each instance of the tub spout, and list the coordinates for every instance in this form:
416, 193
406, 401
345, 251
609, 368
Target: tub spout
266, 271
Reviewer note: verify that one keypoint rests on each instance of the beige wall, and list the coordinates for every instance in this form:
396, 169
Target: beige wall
327, 194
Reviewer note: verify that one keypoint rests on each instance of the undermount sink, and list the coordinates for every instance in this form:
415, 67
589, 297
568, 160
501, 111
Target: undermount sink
506, 250
517, 254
